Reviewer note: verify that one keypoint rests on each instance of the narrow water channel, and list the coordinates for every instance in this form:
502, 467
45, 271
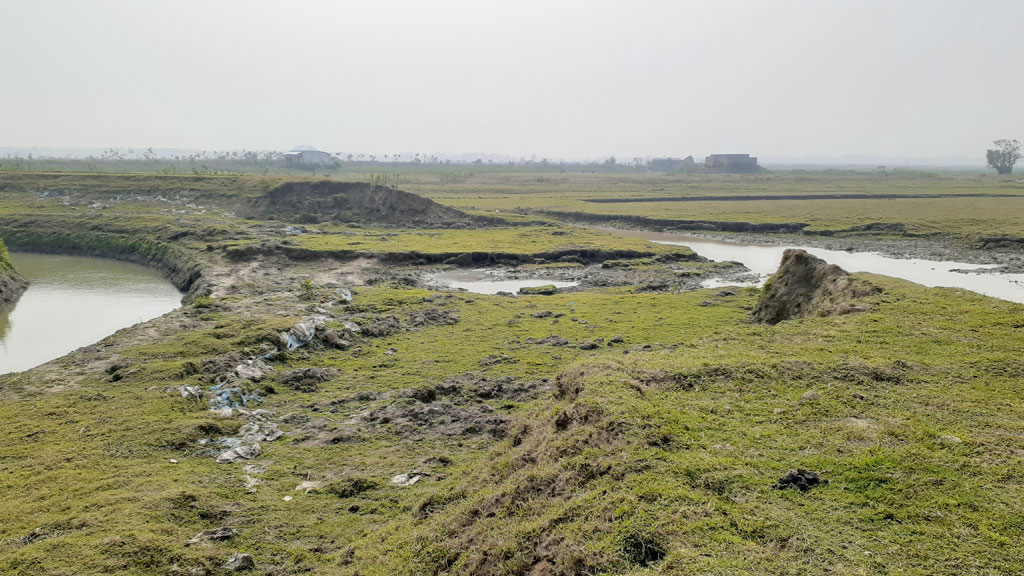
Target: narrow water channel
763, 260
74, 301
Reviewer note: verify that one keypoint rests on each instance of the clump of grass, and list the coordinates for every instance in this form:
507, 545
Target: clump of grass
349, 487
641, 541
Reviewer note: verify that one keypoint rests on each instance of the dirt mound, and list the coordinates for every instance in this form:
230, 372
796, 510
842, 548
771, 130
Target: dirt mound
806, 285
310, 202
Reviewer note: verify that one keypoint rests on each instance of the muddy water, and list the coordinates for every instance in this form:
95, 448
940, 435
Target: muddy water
74, 301
764, 260
483, 281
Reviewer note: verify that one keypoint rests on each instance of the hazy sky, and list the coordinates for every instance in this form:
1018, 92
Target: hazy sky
587, 78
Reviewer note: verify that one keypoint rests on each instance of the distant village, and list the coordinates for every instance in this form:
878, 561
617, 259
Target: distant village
309, 157
312, 159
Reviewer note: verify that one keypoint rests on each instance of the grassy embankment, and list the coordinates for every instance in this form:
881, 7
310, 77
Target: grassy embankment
105, 213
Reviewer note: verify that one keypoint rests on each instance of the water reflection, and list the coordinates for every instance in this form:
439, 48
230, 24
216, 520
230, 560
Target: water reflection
764, 260
74, 301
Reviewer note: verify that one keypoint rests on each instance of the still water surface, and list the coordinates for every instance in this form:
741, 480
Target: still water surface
74, 301
483, 281
764, 260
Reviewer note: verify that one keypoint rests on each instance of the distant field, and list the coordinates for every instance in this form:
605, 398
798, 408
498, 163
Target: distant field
962, 206
948, 212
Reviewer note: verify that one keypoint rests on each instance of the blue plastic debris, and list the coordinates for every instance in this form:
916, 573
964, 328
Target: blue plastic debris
231, 397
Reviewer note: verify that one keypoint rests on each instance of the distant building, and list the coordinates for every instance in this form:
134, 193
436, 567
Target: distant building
737, 162
309, 157
670, 164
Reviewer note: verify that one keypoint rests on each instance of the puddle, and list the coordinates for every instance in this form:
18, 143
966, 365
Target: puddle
483, 281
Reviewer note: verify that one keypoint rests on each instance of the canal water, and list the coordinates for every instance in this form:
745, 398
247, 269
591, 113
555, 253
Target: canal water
74, 301
763, 260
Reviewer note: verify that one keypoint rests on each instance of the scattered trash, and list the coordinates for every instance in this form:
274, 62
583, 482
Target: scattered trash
258, 415
254, 468
287, 498
407, 479
802, 479
213, 535
242, 452
173, 461
254, 432
231, 397
251, 483
302, 332
253, 370
308, 485
188, 392
239, 563
345, 296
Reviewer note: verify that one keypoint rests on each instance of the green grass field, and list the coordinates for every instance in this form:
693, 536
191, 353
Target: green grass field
956, 217
648, 443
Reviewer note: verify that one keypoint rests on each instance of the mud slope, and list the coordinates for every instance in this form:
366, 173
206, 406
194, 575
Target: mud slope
310, 202
11, 283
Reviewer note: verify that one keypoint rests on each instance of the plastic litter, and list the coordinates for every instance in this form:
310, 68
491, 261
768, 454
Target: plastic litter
223, 396
308, 485
239, 562
212, 535
253, 370
254, 469
302, 332
406, 479
241, 452
191, 392
253, 432
257, 415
